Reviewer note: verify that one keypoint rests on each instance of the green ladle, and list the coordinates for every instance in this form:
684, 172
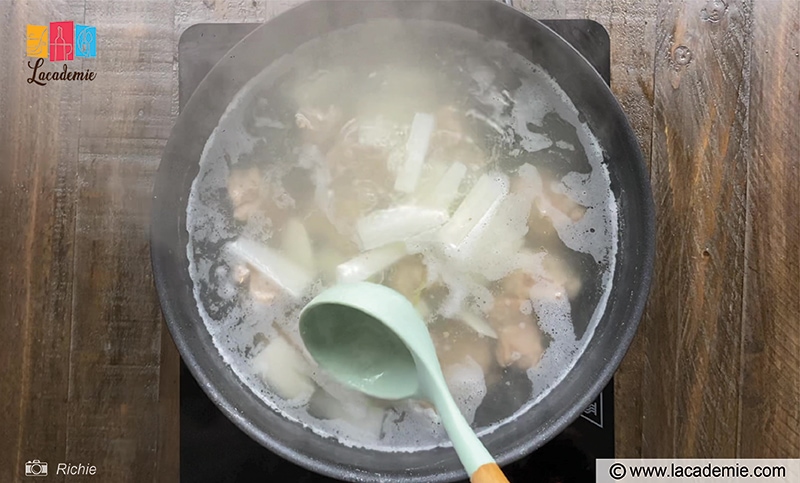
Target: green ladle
371, 338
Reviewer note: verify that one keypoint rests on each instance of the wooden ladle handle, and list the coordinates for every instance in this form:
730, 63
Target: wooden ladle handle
489, 473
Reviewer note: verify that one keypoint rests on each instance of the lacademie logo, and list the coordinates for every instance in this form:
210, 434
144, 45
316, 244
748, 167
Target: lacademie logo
60, 42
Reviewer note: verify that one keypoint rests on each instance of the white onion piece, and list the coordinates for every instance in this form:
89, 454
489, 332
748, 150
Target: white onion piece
491, 251
285, 370
288, 275
365, 417
416, 149
397, 224
478, 324
446, 190
476, 210
370, 263
296, 244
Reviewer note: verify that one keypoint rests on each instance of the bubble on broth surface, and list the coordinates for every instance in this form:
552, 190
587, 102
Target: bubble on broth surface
515, 120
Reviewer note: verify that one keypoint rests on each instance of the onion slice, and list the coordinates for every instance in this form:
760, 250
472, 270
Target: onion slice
296, 244
476, 210
476, 323
397, 224
285, 273
370, 263
446, 190
416, 149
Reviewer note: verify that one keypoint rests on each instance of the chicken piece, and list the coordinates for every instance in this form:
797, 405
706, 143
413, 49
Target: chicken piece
346, 209
341, 158
319, 126
519, 345
408, 276
559, 201
563, 275
449, 128
241, 274
244, 186
566, 205
354, 198
370, 193
518, 284
247, 210
559, 279
509, 310
250, 196
350, 159
455, 343
519, 340
262, 289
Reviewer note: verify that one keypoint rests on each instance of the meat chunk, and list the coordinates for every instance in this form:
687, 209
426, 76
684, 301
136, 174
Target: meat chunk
567, 205
563, 278
450, 129
241, 274
559, 201
319, 125
262, 289
249, 195
454, 344
508, 310
349, 158
408, 276
518, 284
519, 345
519, 340
245, 188
360, 181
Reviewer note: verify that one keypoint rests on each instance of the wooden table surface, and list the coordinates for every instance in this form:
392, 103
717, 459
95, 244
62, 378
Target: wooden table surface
712, 89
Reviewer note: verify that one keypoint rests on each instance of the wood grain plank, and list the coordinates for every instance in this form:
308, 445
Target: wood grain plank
632, 29
599, 10
117, 418
38, 155
692, 335
770, 418
116, 332
169, 406
112, 399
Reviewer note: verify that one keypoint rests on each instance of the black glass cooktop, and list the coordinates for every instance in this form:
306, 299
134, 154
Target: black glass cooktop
213, 450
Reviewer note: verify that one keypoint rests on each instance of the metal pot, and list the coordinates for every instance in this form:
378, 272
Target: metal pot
530, 430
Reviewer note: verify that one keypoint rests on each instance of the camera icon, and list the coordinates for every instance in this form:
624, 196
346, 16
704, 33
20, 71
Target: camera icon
36, 468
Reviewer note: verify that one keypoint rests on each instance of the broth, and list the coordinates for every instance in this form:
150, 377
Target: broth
420, 161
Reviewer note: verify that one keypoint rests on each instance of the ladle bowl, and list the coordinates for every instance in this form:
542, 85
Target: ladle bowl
371, 338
